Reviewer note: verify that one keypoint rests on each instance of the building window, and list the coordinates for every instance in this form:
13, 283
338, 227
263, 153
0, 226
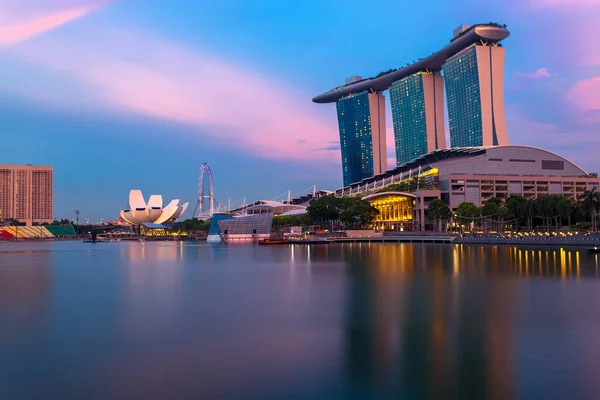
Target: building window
553, 165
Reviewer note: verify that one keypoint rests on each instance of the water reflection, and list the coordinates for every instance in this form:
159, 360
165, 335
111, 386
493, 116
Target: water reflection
410, 330
25, 291
355, 320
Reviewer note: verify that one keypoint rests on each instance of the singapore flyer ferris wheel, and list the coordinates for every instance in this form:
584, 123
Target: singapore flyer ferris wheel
207, 212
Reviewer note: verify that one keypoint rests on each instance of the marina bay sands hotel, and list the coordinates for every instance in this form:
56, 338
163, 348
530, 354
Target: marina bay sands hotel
470, 67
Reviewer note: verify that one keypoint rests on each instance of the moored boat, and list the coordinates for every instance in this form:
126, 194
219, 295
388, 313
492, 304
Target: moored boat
272, 241
594, 250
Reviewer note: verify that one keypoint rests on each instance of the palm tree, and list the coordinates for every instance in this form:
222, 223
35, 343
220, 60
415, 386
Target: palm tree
590, 203
565, 208
529, 212
514, 204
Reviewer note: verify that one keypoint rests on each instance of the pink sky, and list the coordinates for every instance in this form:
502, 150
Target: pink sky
24, 19
143, 74
132, 71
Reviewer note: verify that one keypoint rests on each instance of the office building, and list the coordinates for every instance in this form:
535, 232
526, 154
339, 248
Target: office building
475, 93
26, 193
418, 113
361, 119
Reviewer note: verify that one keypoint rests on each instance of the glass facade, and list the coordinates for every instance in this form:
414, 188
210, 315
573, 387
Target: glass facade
257, 224
463, 96
395, 211
408, 113
356, 141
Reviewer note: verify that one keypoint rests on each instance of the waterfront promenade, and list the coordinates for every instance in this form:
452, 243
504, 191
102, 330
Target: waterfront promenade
521, 238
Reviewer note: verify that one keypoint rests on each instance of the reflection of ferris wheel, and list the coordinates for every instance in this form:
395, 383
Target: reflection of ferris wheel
202, 212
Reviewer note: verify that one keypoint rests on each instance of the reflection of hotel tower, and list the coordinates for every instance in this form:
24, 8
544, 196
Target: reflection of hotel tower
402, 332
473, 72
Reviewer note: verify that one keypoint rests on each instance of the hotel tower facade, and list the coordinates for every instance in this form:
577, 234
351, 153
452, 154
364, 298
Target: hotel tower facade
470, 67
361, 122
26, 193
418, 113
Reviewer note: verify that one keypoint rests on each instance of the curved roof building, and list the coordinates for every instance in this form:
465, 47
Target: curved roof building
270, 206
512, 164
140, 212
475, 174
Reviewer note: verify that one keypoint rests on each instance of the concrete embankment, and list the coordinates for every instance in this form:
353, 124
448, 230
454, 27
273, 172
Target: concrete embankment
587, 240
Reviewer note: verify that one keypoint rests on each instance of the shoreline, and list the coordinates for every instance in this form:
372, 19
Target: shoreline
578, 241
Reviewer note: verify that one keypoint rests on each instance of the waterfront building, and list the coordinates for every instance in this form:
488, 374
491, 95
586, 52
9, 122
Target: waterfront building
246, 228
395, 210
418, 113
214, 231
26, 193
361, 121
475, 95
475, 174
140, 212
269, 206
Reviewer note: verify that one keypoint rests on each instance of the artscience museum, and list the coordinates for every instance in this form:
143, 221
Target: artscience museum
140, 212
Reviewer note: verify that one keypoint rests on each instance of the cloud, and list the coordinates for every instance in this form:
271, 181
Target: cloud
538, 74
137, 73
333, 145
20, 27
585, 94
566, 139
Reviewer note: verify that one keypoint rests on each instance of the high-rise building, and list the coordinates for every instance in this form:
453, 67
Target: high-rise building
418, 114
26, 193
473, 68
474, 81
361, 120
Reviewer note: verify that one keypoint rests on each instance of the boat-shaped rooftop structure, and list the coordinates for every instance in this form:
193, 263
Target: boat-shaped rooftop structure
482, 33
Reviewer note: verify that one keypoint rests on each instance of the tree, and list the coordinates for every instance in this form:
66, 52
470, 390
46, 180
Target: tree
357, 213
492, 208
565, 208
325, 209
593, 174
590, 203
466, 212
529, 209
543, 208
195, 224
515, 206
439, 212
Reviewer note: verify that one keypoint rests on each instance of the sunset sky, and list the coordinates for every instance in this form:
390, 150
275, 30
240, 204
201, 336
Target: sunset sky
137, 94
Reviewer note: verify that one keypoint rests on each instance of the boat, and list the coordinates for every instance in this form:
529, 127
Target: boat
272, 241
594, 250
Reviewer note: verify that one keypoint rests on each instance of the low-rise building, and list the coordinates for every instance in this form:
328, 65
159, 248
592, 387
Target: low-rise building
472, 174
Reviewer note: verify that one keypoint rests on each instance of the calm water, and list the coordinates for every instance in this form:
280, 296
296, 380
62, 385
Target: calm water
350, 321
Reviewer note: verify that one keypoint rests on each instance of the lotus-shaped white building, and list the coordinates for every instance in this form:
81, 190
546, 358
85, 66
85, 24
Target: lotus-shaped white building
139, 212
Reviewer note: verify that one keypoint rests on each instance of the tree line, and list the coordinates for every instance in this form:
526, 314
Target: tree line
546, 212
329, 211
